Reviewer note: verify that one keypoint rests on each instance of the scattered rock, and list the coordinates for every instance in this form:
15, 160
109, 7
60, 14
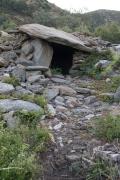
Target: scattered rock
61, 109
83, 90
6, 88
51, 93
36, 88
19, 73
67, 91
3, 62
51, 110
7, 105
11, 120
58, 126
102, 64
90, 100
59, 80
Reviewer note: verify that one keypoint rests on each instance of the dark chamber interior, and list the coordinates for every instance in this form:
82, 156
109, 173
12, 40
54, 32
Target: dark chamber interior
62, 58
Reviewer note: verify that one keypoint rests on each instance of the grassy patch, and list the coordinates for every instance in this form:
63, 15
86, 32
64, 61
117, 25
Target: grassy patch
107, 128
20, 147
29, 118
101, 171
115, 64
88, 67
39, 100
12, 80
102, 87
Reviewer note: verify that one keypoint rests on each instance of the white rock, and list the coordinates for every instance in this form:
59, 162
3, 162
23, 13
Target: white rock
6, 88
51, 110
58, 126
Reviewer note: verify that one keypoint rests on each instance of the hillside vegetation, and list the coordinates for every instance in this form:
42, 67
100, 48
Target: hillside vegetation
104, 23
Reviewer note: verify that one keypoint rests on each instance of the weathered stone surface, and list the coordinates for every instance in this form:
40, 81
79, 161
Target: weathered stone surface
54, 35
36, 88
59, 80
107, 153
36, 68
19, 73
7, 105
65, 90
83, 90
27, 48
3, 62
117, 95
51, 110
22, 91
24, 62
11, 120
51, 93
102, 64
6, 88
43, 53
90, 100
35, 78
10, 55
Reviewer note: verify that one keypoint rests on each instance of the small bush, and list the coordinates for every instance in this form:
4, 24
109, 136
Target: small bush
88, 67
107, 128
115, 64
37, 138
101, 171
41, 101
29, 118
109, 32
102, 87
16, 161
12, 80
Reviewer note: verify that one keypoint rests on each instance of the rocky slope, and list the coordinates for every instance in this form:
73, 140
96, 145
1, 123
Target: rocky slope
43, 12
72, 104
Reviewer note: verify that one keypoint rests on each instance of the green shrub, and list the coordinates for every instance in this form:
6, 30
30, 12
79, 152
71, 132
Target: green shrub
40, 100
109, 32
115, 64
12, 80
37, 138
16, 161
29, 118
102, 171
88, 67
107, 128
102, 87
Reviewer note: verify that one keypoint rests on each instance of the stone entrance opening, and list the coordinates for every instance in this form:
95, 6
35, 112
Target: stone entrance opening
62, 58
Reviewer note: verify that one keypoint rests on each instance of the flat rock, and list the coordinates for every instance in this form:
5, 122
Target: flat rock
6, 88
36, 68
83, 90
59, 80
67, 91
7, 105
51, 93
54, 35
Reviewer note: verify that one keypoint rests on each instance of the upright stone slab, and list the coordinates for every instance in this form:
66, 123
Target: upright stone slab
43, 53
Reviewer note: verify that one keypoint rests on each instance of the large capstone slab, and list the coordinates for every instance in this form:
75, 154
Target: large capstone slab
53, 35
6, 88
8, 105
